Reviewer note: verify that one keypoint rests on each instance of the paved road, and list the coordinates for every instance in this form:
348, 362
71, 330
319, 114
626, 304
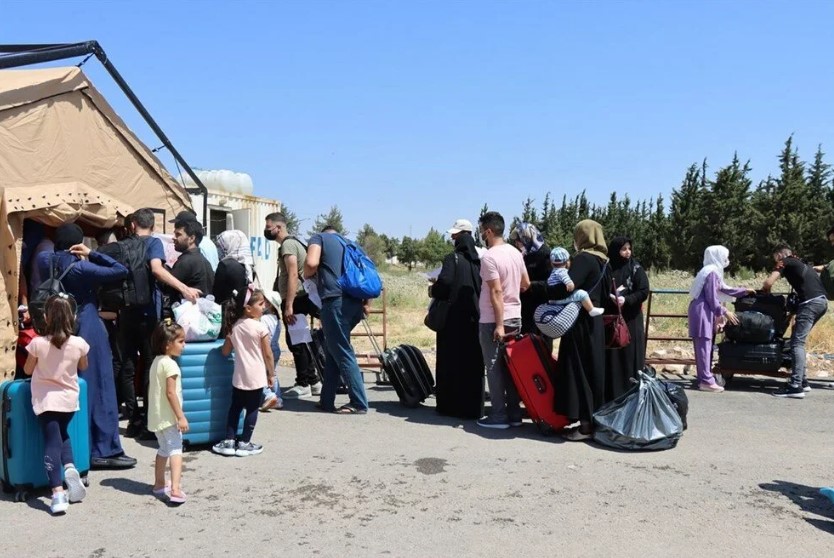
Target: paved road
399, 482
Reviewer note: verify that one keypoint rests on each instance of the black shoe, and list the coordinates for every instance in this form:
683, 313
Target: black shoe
794, 392
806, 387
116, 462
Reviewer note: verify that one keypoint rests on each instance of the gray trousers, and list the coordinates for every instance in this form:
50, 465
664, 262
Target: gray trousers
807, 316
502, 393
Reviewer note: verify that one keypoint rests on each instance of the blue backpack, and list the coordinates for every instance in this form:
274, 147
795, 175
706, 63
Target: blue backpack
359, 278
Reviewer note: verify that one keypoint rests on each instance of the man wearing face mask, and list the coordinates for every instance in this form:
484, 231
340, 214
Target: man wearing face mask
191, 268
504, 277
295, 302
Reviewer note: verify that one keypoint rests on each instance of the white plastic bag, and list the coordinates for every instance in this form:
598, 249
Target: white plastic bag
201, 321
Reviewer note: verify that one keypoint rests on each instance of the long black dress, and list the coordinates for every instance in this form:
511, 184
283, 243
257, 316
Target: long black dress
580, 378
623, 364
538, 269
459, 387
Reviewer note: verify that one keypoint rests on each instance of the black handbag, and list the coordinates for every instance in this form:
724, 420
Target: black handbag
438, 312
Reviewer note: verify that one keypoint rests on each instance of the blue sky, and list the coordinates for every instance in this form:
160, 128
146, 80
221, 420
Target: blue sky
409, 115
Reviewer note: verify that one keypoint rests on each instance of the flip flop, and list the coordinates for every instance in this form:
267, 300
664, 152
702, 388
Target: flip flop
164, 492
178, 499
350, 410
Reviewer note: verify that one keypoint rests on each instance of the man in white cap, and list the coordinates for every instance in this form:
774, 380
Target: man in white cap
464, 226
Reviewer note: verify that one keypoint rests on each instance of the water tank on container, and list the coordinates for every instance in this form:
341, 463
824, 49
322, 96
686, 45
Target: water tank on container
222, 180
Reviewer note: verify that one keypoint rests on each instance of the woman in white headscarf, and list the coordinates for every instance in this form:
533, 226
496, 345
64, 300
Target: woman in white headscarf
234, 272
706, 311
234, 245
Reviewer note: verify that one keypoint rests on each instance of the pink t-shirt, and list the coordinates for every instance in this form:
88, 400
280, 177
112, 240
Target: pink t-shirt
55, 379
250, 370
505, 263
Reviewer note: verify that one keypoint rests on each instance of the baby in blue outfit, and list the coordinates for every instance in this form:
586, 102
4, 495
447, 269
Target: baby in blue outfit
560, 259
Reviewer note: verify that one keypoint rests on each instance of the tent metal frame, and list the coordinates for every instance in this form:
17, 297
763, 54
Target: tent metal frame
14, 56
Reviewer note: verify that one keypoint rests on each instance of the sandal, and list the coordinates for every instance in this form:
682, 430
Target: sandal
575, 435
350, 410
178, 499
164, 492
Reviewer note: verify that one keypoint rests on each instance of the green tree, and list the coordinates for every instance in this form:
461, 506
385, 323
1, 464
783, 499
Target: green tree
685, 220
292, 219
371, 243
333, 218
433, 248
408, 252
728, 213
392, 245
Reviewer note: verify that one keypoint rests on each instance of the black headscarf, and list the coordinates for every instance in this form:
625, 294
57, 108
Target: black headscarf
67, 236
617, 243
465, 244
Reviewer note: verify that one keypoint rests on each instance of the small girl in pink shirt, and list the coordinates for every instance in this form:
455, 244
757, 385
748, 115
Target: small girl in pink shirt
254, 370
53, 362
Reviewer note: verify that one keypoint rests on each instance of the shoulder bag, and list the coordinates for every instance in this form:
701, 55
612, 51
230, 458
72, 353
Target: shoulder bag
438, 312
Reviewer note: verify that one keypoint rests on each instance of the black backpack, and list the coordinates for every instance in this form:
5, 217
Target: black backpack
51, 287
135, 290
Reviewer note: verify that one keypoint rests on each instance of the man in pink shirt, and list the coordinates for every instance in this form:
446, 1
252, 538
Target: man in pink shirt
504, 277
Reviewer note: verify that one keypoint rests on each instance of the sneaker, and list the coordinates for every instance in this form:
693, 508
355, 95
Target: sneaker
806, 387
298, 392
489, 422
315, 389
226, 447
714, 388
60, 503
516, 421
75, 488
248, 448
794, 392
271, 402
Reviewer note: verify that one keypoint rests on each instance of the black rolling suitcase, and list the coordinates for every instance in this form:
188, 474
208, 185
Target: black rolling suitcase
754, 357
319, 354
407, 369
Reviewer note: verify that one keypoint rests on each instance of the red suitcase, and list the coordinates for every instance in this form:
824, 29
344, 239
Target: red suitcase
531, 366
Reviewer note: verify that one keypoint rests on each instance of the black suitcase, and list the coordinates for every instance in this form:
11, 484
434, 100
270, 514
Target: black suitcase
775, 306
407, 369
761, 357
753, 327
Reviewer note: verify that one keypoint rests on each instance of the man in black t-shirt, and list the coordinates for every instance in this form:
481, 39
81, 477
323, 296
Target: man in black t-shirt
192, 268
812, 305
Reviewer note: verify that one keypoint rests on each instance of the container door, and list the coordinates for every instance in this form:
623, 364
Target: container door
241, 219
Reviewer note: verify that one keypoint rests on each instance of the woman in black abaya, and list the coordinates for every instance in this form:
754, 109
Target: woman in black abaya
459, 379
632, 290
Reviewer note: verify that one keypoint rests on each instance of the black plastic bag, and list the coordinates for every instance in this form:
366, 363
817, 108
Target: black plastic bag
677, 395
643, 418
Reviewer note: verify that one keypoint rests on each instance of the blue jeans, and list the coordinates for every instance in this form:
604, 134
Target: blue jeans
338, 318
807, 316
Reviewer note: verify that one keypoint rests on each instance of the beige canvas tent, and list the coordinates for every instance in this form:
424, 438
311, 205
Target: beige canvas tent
65, 156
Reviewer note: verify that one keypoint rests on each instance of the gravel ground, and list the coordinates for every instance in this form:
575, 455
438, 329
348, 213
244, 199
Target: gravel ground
742, 482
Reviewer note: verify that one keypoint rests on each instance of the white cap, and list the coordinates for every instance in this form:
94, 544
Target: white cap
460, 226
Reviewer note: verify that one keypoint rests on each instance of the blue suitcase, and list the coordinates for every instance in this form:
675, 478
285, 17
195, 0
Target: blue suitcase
21, 466
206, 391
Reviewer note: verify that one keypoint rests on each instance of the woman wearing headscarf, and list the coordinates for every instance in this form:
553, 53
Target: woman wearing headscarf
529, 241
632, 286
91, 269
580, 379
706, 311
460, 366
234, 273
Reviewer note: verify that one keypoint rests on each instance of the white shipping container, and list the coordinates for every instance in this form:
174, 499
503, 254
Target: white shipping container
247, 213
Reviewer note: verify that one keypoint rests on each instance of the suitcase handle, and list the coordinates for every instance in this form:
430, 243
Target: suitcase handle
372, 337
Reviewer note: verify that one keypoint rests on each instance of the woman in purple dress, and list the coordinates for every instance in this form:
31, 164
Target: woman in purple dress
706, 311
